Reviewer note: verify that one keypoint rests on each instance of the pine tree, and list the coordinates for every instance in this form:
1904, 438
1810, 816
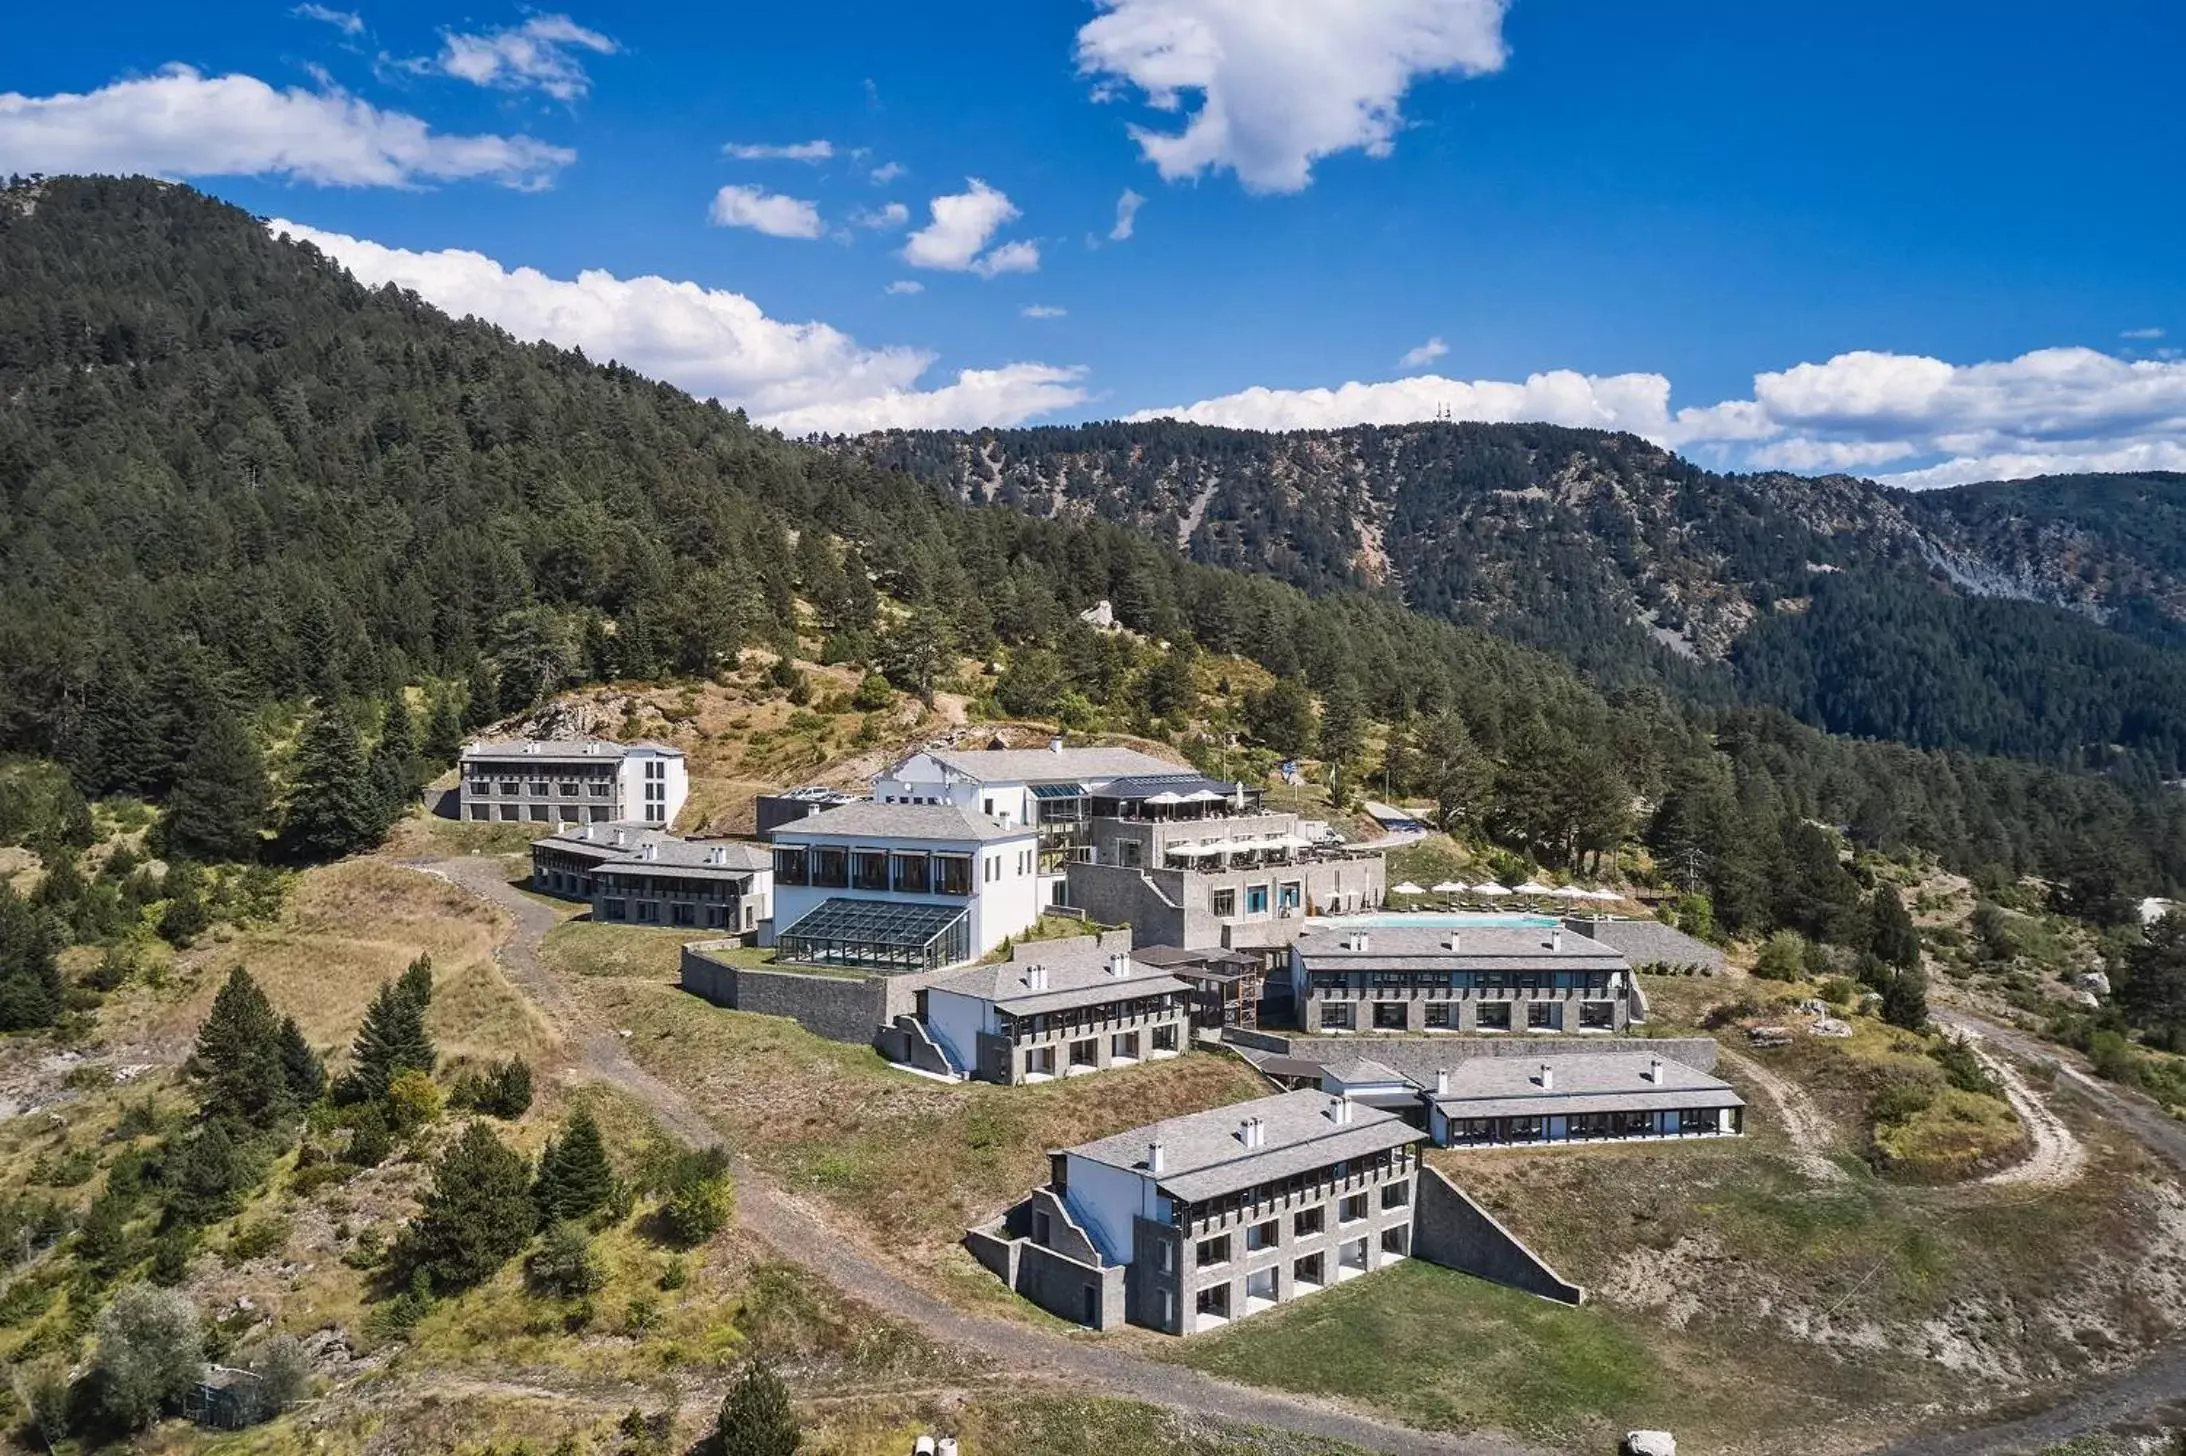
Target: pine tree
1457, 773
480, 698
416, 981
185, 918
393, 767
334, 809
237, 1065
203, 1181
575, 1178
444, 734
392, 1039
476, 1216
1905, 998
301, 1069
2153, 990
756, 1417
30, 972
221, 796
1890, 931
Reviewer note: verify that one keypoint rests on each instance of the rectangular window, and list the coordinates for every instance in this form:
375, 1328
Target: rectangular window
1123, 1046
1214, 1301
1165, 1037
568, 788
648, 912
1336, 1016
598, 788
1396, 1195
830, 867
1086, 1053
1256, 899
1040, 1061
615, 909
1353, 1209
910, 874
952, 874
1263, 1236
1212, 1252
1311, 1270
540, 788
1541, 1015
510, 788
1438, 1015
539, 813
1307, 1221
790, 867
481, 811
599, 814
482, 787
1223, 903
512, 811
1389, 1015
868, 869
1597, 1016
1396, 1240
1493, 1016
1289, 895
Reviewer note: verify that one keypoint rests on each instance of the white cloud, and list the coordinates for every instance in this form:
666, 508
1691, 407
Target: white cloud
1043, 311
713, 342
772, 213
538, 55
1281, 83
893, 215
348, 22
1920, 421
905, 287
955, 241
180, 123
1424, 354
817, 150
887, 172
2141, 334
1127, 216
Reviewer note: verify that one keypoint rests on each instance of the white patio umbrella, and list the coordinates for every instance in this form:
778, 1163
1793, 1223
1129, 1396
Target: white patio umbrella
1449, 887
1406, 888
1533, 887
1569, 892
1164, 797
1603, 895
1491, 889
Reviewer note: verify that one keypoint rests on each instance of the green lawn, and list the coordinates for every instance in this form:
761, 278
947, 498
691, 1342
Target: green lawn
1448, 1352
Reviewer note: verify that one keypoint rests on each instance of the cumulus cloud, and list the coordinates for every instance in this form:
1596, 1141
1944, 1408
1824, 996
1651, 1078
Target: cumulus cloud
772, 213
963, 223
893, 215
1280, 83
348, 22
713, 342
181, 123
1127, 216
1918, 421
817, 150
1043, 311
538, 55
1423, 355
887, 172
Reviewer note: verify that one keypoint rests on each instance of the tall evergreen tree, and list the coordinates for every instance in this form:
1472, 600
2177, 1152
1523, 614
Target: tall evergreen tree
237, 1064
481, 699
301, 1069
2153, 990
756, 1417
206, 1178
475, 1217
575, 1178
334, 808
393, 765
416, 980
444, 733
1890, 931
393, 1039
221, 796
1456, 773
30, 970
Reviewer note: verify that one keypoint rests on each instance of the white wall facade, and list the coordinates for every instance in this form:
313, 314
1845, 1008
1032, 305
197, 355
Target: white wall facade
653, 785
956, 1021
1005, 898
924, 779
1105, 1200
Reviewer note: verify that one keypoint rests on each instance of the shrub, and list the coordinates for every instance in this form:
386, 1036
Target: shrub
873, 694
284, 1376
2112, 1057
151, 1352
369, 1140
675, 1274
504, 1091
398, 1316
1962, 1069
756, 1418
258, 1238
1783, 958
564, 1264
699, 1208
412, 1102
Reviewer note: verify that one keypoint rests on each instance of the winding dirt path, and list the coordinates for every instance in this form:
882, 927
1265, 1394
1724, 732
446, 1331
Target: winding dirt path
803, 1234
2058, 1156
1804, 1121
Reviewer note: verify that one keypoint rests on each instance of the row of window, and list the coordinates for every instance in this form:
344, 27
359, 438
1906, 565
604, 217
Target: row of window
679, 913
1487, 1015
541, 813
830, 867
1569, 982
1580, 1126
1289, 895
1084, 1054
1047, 1023
1304, 1224
542, 788
1373, 1165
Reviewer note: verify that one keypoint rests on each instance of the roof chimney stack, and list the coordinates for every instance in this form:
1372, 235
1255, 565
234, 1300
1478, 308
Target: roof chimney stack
1055, 744
1547, 1078
1119, 965
1339, 1111
649, 851
1036, 978
1556, 939
1154, 1159
1654, 1069
717, 855
1442, 1081
622, 837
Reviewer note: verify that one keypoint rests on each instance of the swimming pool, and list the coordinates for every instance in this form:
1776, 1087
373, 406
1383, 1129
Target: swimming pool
1436, 920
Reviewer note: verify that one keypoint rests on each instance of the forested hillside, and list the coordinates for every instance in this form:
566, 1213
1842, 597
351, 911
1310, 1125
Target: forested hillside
243, 498
2025, 620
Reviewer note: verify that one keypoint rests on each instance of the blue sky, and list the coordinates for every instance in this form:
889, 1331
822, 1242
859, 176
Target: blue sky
1945, 236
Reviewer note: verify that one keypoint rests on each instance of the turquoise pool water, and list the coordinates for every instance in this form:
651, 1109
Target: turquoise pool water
1436, 920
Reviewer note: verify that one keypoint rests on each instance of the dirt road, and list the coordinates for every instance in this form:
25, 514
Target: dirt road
802, 1233
1804, 1122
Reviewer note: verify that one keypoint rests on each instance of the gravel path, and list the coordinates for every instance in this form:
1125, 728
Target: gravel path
803, 1234
2058, 1156
1804, 1121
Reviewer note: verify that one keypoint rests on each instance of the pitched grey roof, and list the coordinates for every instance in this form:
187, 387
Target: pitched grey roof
1651, 943
1204, 1156
903, 821
673, 856
1485, 948
1583, 1082
1047, 765
559, 750
1071, 982
1361, 1071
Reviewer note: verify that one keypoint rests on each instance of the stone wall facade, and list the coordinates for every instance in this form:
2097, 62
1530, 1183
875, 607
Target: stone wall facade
1451, 1230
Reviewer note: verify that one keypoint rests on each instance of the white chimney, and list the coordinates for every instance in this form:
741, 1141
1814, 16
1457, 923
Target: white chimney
1245, 1132
1654, 1069
1442, 1081
1036, 978
1339, 1110
649, 851
1153, 1159
1450, 941
530, 747
946, 1446
1119, 965
718, 855
1055, 744
591, 748
1548, 1077
622, 837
